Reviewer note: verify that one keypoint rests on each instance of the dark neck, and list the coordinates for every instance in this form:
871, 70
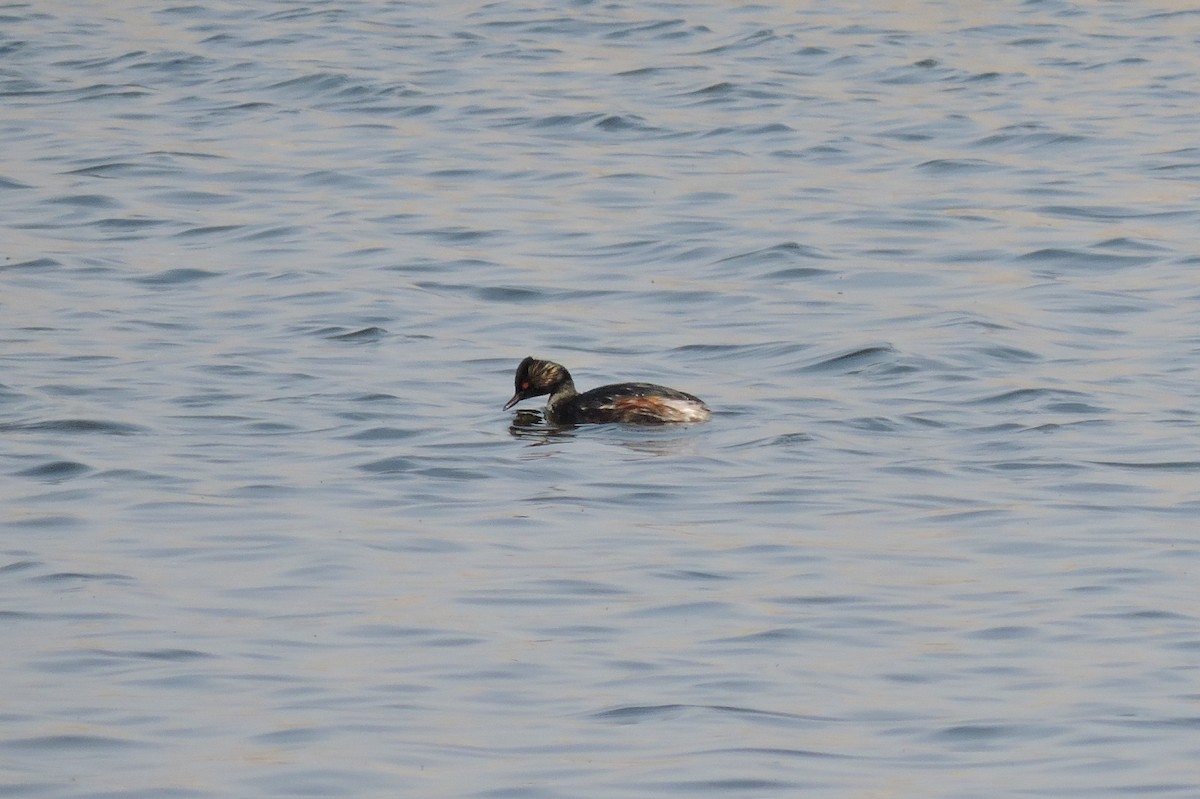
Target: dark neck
563, 390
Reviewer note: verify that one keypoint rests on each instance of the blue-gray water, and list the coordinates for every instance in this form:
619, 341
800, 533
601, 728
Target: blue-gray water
267, 270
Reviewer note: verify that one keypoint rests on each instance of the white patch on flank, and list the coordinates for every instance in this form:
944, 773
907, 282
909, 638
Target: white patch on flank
684, 410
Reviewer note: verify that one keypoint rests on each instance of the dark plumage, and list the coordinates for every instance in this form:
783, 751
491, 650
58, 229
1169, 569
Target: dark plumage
633, 403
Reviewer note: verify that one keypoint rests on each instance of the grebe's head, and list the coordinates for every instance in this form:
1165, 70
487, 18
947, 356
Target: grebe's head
535, 378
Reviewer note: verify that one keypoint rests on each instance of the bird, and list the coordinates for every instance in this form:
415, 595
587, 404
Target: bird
629, 403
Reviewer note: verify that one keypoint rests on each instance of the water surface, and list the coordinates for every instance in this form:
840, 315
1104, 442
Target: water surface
267, 272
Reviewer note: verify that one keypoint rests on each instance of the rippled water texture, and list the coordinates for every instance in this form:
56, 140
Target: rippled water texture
268, 268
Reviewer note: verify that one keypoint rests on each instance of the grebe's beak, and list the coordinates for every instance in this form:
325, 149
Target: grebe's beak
516, 398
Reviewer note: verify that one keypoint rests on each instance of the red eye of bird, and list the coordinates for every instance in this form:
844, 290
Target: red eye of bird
524, 386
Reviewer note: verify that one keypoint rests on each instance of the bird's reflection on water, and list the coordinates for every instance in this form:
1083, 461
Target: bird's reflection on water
531, 425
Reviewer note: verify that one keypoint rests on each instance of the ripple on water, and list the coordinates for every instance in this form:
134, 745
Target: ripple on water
1083, 259
954, 166
34, 264
55, 470
855, 360
260, 313
85, 426
79, 745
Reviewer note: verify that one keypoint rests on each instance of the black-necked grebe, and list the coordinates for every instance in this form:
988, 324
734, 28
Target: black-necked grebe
632, 403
